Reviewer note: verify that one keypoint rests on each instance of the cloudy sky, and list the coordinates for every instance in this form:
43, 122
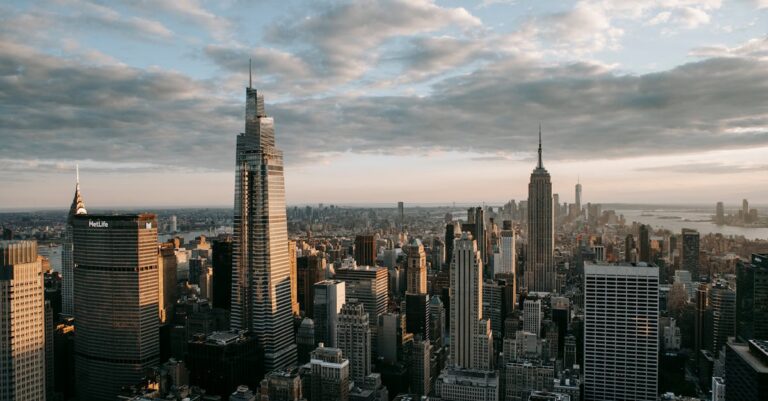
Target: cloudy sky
378, 101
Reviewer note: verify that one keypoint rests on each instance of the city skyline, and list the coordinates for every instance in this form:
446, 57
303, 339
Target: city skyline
453, 93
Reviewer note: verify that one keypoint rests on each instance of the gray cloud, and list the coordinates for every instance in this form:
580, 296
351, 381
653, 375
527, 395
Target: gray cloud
707, 168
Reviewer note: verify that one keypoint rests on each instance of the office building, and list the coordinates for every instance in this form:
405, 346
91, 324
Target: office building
690, 260
305, 340
166, 269
261, 269
645, 244
295, 309
243, 393
437, 320
223, 360
752, 298
455, 384
629, 248
417, 311
506, 263
719, 214
354, 340
309, 270
67, 264
578, 198
221, 259
416, 267
281, 385
400, 214
540, 272
702, 319
421, 380
365, 250
173, 225
746, 371
621, 338
369, 285
330, 375
22, 323
450, 237
116, 301
561, 315
471, 335
722, 302
523, 377
532, 316
437, 255
330, 295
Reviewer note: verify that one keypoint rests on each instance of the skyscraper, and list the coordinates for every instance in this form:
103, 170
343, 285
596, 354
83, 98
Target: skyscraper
645, 243
309, 270
22, 322
467, 321
532, 316
368, 285
294, 279
261, 269
67, 282
507, 254
690, 261
746, 371
222, 272
116, 301
578, 198
365, 250
400, 214
330, 375
719, 213
167, 270
450, 236
621, 338
722, 301
353, 337
330, 295
752, 298
540, 272
416, 267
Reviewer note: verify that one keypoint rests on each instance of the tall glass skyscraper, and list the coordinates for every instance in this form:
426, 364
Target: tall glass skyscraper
261, 269
540, 275
116, 296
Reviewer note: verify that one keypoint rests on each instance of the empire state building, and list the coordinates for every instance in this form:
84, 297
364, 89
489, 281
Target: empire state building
261, 281
540, 274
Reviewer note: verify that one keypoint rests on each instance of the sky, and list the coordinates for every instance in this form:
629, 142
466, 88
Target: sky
419, 101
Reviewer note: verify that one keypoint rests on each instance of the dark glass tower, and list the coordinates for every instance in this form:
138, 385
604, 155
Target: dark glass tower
116, 291
540, 272
261, 269
752, 299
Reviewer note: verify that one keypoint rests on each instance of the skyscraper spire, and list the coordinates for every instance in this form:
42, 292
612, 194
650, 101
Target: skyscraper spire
541, 164
250, 73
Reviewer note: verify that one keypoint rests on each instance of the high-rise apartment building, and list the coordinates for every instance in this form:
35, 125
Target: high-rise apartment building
450, 237
116, 301
540, 273
421, 352
22, 323
621, 332
365, 250
261, 269
416, 268
67, 275
752, 298
354, 340
690, 261
330, 295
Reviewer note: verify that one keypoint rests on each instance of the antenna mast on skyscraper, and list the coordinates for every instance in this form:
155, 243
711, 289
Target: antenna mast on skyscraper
250, 73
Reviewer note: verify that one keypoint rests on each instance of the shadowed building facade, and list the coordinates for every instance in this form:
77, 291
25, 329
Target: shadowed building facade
116, 296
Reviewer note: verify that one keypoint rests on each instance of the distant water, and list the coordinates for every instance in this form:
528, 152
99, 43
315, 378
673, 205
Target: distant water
53, 253
677, 219
190, 235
